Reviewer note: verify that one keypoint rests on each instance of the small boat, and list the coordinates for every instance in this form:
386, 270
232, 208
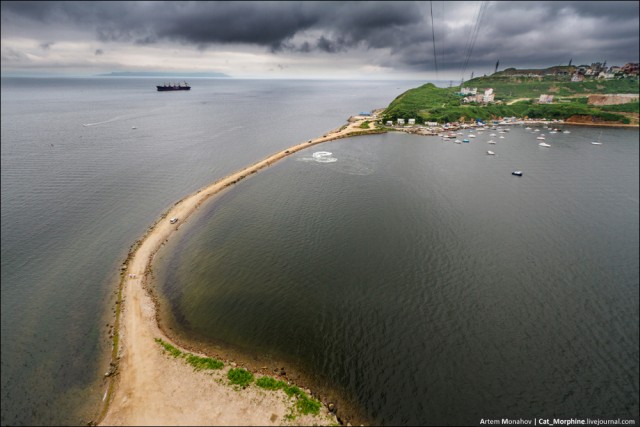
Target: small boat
471, 135
596, 143
541, 137
491, 153
133, 127
491, 141
457, 141
465, 140
566, 131
173, 220
544, 144
502, 137
493, 134
516, 173
527, 128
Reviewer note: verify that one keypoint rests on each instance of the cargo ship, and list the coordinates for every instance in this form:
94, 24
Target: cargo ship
181, 86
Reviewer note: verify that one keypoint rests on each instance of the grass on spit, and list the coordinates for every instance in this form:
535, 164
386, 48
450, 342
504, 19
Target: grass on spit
304, 403
169, 348
240, 377
203, 362
197, 362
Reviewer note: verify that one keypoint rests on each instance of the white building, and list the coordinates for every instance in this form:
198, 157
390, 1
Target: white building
468, 90
488, 96
412, 121
400, 122
545, 99
389, 123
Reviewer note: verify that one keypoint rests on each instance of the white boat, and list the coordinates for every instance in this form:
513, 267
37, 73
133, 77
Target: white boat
493, 134
544, 144
457, 141
501, 137
491, 141
540, 137
527, 128
491, 153
566, 131
471, 135
173, 220
596, 143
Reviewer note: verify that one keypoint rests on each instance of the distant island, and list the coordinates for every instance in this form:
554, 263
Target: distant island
164, 74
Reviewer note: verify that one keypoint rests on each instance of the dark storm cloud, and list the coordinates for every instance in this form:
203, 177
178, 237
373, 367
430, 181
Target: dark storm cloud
520, 34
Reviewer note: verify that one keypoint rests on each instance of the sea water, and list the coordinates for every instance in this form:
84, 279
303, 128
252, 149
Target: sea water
87, 165
424, 280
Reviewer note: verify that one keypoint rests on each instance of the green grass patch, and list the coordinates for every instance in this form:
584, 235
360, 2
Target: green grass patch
631, 107
203, 362
169, 348
306, 405
240, 377
364, 125
270, 383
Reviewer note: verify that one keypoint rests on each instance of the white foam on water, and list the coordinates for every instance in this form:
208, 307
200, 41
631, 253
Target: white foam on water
320, 157
324, 157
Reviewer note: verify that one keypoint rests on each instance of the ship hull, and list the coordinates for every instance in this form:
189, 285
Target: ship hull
168, 88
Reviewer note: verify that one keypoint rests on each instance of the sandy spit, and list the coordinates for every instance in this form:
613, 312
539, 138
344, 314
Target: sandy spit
147, 386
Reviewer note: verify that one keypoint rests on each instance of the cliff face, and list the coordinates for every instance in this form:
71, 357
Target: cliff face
612, 99
591, 120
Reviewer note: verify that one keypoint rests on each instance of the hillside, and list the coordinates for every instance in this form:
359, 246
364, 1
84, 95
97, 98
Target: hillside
429, 103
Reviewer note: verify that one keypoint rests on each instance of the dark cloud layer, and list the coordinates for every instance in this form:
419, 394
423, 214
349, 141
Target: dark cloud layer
518, 33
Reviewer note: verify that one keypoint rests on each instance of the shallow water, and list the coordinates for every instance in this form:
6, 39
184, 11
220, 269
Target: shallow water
424, 280
80, 185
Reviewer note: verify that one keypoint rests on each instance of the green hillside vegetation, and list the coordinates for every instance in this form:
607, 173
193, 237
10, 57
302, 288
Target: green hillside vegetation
510, 87
429, 103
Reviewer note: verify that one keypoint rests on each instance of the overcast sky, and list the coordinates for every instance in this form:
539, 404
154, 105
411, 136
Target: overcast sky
282, 39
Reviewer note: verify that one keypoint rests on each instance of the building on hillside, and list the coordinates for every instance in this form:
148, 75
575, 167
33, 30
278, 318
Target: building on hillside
488, 96
598, 67
630, 68
577, 77
545, 99
389, 123
468, 91
412, 121
400, 122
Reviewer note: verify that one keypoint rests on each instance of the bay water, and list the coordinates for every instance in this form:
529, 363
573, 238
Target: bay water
87, 165
424, 280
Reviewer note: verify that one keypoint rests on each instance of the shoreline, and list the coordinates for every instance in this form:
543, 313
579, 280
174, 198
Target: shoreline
144, 386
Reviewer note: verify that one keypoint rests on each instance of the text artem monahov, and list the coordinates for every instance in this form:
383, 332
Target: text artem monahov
506, 421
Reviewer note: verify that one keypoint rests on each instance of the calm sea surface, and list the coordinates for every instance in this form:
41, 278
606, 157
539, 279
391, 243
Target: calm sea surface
80, 185
426, 281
